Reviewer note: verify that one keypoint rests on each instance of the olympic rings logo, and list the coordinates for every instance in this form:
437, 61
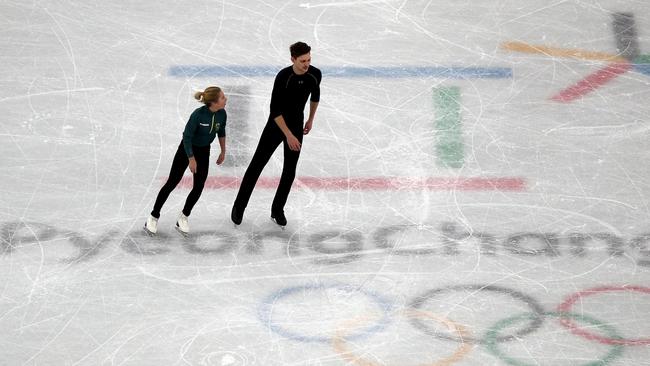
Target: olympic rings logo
509, 329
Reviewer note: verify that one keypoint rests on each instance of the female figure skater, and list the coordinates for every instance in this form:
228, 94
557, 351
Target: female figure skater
204, 124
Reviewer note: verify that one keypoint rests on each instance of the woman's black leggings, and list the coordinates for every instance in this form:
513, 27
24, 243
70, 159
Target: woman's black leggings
180, 163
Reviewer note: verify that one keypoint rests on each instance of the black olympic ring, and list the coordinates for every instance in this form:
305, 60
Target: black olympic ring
536, 308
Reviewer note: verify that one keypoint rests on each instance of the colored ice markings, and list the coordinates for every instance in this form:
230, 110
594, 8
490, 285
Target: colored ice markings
449, 133
627, 58
642, 64
592, 82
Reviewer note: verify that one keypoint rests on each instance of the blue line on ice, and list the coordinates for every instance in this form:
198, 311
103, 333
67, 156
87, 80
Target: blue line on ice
347, 71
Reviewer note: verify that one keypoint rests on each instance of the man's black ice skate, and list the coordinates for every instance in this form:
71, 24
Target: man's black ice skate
279, 218
236, 215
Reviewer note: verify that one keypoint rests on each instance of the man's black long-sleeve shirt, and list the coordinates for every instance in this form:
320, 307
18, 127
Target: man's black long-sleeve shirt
290, 93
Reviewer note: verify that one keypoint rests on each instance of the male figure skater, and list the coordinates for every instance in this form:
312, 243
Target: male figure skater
292, 87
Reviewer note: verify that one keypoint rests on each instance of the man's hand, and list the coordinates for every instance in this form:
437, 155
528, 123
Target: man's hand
293, 142
308, 125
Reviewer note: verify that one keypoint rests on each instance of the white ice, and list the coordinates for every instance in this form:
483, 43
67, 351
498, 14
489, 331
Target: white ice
91, 118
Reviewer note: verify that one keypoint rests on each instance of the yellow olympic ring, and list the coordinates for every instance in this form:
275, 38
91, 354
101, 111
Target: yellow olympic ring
339, 343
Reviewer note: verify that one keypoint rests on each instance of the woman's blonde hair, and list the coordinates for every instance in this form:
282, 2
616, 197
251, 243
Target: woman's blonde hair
209, 95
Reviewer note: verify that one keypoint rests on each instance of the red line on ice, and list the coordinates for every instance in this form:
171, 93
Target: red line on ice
374, 183
592, 82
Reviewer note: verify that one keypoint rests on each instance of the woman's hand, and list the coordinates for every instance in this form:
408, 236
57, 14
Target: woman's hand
221, 158
193, 165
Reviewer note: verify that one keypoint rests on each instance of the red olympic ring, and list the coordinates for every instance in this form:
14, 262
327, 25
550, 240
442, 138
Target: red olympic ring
566, 306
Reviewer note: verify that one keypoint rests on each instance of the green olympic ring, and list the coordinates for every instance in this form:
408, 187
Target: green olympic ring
492, 344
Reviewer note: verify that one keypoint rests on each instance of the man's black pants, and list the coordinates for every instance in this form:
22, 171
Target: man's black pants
271, 138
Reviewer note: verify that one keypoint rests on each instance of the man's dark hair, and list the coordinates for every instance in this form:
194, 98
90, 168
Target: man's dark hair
299, 48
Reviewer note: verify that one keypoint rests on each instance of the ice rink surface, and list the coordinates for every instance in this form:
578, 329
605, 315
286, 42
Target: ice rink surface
474, 190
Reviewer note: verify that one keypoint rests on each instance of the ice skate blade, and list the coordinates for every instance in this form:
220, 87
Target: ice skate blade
150, 233
184, 234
